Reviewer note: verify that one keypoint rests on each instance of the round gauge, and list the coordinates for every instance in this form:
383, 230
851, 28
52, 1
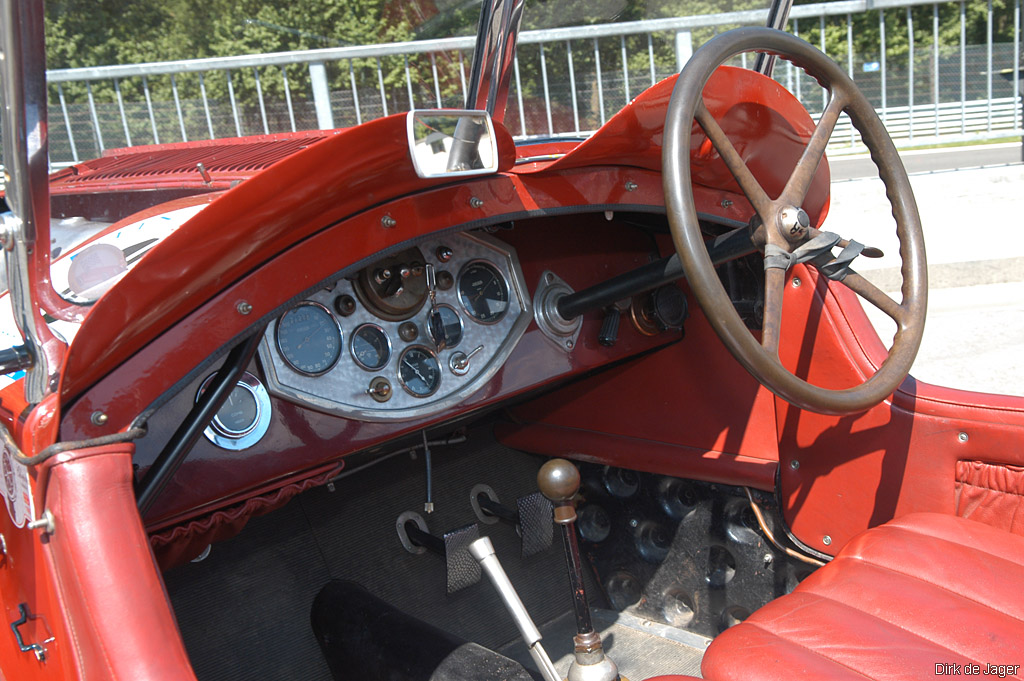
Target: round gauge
244, 418
452, 325
239, 413
483, 292
371, 347
418, 371
309, 338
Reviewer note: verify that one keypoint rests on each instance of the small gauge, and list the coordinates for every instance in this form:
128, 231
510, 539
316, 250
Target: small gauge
483, 292
244, 417
309, 338
239, 413
371, 347
452, 326
418, 371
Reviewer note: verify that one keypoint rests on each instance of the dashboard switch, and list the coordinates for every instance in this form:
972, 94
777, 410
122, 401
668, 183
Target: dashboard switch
459, 361
380, 389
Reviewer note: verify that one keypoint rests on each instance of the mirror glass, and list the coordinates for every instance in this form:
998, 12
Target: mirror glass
447, 143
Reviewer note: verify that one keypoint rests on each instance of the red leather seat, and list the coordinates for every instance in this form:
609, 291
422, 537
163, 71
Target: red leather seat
924, 596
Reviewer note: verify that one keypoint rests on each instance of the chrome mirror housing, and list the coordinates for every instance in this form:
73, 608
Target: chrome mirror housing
452, 143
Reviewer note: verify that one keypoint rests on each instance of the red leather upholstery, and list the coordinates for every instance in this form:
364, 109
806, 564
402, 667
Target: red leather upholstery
120, 625
922, 596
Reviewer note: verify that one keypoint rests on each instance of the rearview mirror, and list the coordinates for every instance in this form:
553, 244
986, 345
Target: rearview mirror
452, 143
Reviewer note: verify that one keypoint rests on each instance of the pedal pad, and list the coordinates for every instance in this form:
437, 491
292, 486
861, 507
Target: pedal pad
532, 517
461, 568
535, 523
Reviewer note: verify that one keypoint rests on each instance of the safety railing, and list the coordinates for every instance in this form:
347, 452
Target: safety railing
568, 81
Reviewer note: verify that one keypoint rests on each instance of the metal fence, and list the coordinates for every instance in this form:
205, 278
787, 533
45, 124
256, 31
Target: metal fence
567, 81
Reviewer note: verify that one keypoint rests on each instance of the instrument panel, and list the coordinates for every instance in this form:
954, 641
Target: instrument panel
407, 336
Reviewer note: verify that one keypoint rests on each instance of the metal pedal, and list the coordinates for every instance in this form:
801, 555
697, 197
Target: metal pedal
532, 517
461, 568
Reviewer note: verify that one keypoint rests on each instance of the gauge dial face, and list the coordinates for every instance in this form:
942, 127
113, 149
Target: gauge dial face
483, 292
239, 413
452, 325
309, 338
371, 347
418, 371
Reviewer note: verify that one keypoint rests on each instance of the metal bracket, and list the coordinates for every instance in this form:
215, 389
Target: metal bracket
36, 648
562, 332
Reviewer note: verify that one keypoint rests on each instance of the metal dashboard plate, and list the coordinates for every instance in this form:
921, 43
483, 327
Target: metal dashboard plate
343, 389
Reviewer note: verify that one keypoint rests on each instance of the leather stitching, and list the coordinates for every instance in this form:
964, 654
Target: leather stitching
989, 489
904, 629
934, 585
919, 532
803, 647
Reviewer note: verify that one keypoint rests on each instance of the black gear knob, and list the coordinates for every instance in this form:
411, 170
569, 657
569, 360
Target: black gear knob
558, 480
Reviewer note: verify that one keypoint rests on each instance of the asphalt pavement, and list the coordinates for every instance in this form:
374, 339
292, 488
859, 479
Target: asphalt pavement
971, 202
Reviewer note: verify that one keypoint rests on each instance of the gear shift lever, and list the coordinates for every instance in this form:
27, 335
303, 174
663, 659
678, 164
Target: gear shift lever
559, 480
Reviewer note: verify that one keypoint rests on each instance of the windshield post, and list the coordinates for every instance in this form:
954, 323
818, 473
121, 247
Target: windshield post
25, 236
778, 16
491, 72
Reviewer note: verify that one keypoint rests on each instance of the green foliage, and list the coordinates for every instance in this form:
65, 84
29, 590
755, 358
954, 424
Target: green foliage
98, 32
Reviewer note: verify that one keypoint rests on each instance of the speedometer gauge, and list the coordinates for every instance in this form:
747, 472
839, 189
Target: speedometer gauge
418, 371
483, 292
309, 338
371, 347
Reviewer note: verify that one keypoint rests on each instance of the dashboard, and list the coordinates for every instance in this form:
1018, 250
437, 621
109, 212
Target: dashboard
310, 397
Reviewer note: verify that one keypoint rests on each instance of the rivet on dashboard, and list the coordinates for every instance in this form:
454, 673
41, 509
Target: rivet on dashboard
476, 202
387, 222
244, 307
826, 540
962, 437
631, 186
98, 418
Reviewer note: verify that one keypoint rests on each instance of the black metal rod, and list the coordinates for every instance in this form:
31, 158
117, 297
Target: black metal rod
14, 359
729, 246
191, 429
491, 507
424, 539
579, 596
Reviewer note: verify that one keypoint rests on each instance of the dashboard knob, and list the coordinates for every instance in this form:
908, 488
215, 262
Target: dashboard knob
609, 327
558, 480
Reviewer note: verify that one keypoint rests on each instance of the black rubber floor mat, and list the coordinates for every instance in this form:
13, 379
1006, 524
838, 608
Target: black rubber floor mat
244, 612
355, 528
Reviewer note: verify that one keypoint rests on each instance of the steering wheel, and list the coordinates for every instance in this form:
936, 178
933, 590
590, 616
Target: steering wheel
785, 235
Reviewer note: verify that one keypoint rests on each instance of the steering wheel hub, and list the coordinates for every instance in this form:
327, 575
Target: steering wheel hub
793, 223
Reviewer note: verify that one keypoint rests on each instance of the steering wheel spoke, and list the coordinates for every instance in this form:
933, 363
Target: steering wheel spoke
771, 326
800, 181
874, 295
733, 161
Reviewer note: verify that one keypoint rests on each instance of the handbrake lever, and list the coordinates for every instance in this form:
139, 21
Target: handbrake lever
483, 550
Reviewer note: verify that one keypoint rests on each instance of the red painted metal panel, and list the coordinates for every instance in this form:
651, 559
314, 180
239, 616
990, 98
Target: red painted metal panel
858, 471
